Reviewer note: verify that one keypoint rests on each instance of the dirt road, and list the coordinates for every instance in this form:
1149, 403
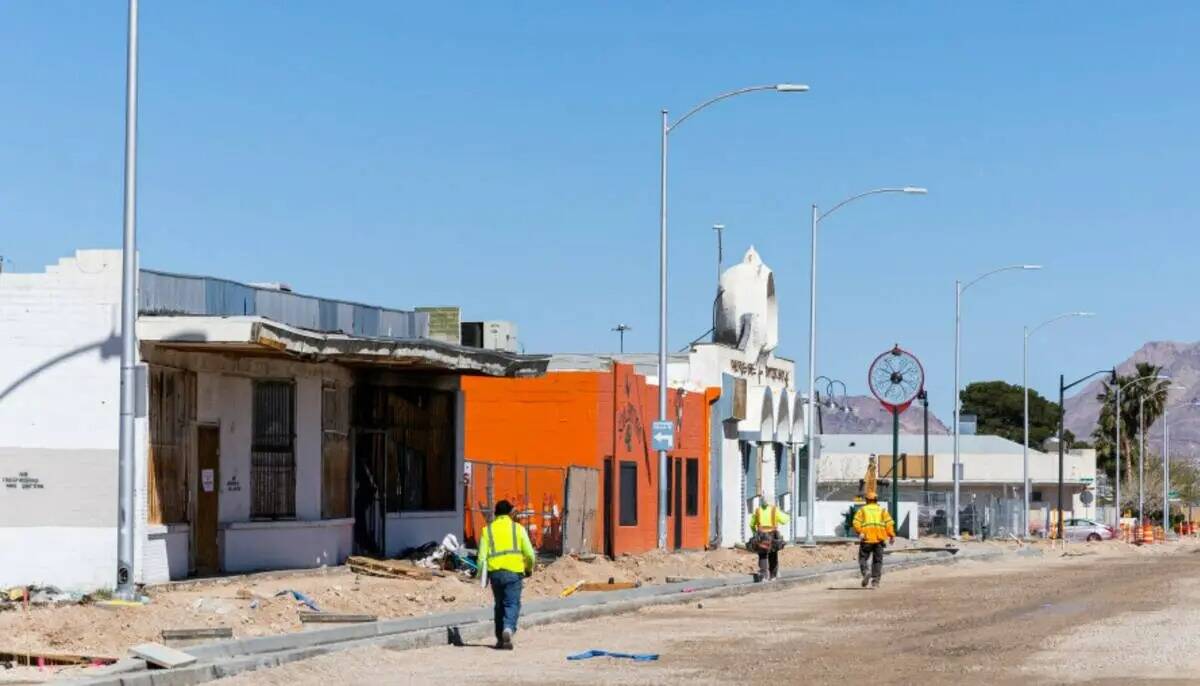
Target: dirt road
1088, 618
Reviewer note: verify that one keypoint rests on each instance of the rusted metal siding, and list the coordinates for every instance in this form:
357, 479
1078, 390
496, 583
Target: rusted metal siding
161, 293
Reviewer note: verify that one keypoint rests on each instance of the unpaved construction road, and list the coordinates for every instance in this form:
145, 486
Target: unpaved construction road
1086, 618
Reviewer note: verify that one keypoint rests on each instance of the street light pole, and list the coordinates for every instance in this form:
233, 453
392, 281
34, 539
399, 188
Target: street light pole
1117, 449
959, 289
666, 130
1025, 395
621, 329
1062, 428
813, 440
125, 447
1141, 458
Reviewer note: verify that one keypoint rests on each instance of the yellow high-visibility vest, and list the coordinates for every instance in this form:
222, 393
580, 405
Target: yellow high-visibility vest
874, 523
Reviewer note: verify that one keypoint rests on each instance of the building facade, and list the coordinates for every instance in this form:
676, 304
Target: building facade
273, 430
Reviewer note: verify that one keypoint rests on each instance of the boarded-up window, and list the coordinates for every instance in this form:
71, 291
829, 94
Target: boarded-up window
273, 451
335, 451
628, 491
172, 424
692, 493
421, 446
910, 466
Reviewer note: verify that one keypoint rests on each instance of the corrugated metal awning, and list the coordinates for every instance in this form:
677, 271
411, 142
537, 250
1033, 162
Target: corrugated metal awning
258, 336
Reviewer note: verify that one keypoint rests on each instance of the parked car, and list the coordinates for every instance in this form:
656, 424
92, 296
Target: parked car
1087, 530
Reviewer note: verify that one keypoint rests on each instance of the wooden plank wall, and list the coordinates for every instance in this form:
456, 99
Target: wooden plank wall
172, 443
335, 450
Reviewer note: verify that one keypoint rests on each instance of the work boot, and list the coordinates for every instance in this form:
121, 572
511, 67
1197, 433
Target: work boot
866, 579
506, 640
875, 583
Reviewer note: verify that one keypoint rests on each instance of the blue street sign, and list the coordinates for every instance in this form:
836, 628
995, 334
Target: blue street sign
663, 434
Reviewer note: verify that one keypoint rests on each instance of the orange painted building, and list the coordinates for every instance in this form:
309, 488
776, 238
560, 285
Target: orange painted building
523, 435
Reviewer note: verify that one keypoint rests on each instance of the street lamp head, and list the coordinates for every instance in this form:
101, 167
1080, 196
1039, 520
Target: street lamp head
1083, 314
915, 190
791, 88
1031, 266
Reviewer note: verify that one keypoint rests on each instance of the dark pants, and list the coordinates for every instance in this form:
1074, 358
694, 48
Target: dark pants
768, 564
506, 589
871, 554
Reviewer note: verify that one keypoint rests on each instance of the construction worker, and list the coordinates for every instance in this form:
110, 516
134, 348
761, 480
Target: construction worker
764, 523
506, 553
874, 525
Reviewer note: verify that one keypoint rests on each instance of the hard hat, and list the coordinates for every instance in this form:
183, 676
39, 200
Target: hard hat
871, 495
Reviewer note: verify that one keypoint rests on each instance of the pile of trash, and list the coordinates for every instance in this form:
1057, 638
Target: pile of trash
38, 596
449, 555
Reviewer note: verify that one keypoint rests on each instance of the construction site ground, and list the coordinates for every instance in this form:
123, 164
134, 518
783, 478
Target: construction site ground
1105, 613
250, 607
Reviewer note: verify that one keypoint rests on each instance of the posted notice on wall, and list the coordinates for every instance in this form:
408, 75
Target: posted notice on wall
207, 479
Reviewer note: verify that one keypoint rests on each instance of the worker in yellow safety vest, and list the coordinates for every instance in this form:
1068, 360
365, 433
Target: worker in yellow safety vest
505, 556
767, 541
874, 525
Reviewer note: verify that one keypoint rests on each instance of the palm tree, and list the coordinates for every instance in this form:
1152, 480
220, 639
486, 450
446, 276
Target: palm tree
1154, 393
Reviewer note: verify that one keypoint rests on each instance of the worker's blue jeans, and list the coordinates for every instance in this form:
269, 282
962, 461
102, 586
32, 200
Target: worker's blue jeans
506, 589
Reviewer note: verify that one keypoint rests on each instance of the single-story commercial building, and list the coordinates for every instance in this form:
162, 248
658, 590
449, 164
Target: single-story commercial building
274, 430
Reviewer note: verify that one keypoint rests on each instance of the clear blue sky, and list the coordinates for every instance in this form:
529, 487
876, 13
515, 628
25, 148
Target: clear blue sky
504, 157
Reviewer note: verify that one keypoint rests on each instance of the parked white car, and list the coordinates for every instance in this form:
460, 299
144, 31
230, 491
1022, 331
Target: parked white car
1088, 530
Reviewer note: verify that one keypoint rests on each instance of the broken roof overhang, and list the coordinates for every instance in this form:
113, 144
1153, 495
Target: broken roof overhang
255, 335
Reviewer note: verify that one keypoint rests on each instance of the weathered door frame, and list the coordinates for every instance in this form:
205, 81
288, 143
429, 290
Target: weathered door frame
197, 565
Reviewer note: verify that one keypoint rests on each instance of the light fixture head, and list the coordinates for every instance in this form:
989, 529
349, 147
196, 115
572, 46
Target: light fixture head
1031, 266
916, 190
791, 88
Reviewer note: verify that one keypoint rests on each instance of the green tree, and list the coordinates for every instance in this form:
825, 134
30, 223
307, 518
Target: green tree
1000, 410
1154, 393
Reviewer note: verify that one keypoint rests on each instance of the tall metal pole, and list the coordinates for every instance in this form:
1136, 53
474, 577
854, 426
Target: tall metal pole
1117, 473
1062, 418
957, 399
1166, 473
1025, 443
1141, 457
925, 419
662, 334
125, 456
809, 520
720, 229
895, 504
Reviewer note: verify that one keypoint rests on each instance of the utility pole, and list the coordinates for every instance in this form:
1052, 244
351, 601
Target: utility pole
126, 453
720, 229
621, 329
923, 396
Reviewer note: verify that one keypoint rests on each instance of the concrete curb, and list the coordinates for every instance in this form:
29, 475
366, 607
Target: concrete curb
227, 658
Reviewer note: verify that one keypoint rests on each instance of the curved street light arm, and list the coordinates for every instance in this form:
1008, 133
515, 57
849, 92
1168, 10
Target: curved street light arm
983, 276
847, 201
723, 96
1064, 315
1158, 377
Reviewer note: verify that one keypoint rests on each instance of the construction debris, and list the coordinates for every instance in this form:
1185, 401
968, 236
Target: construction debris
181, 638
160, 655
610, 585
38, 596
31, 659
300, 598
391, 569
334, 618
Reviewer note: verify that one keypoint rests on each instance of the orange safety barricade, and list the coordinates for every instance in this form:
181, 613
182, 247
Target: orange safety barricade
1147, 533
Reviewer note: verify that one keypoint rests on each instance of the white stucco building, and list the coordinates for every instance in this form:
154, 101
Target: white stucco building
273, 430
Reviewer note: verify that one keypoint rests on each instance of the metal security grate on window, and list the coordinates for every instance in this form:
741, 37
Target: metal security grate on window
272, 451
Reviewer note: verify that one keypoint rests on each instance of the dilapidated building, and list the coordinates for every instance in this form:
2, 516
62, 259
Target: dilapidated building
274, 430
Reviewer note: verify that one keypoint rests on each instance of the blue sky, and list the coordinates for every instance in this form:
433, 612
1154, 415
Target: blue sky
504, 157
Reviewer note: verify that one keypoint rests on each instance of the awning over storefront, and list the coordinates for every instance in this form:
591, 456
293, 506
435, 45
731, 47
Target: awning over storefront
259, 336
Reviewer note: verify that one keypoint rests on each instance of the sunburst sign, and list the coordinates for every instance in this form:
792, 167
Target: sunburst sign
895, 378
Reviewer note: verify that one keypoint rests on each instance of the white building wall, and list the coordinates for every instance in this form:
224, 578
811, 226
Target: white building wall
59, 411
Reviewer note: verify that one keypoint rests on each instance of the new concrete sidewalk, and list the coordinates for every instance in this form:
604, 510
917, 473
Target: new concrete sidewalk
227, 658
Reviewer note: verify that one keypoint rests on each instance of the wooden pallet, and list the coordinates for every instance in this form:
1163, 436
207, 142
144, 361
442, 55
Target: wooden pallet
390, 569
